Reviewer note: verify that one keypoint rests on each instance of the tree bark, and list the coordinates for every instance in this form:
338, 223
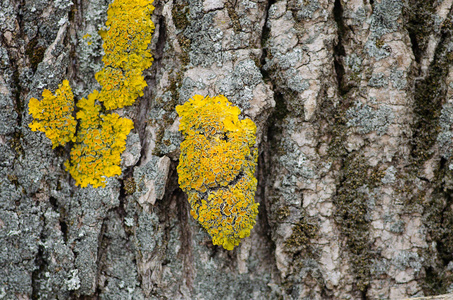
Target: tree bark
353, 101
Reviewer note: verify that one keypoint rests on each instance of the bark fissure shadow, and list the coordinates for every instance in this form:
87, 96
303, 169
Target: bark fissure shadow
339, 51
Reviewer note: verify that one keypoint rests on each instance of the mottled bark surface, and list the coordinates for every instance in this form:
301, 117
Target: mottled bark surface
353, 101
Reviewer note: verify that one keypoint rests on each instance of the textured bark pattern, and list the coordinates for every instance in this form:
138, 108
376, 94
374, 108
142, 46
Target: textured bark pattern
353, 101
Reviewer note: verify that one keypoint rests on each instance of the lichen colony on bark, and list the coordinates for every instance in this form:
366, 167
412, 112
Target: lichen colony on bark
352, 102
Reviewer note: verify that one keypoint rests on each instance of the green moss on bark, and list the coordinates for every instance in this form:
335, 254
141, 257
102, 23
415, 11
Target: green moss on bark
35, 53
300, 240
352, 201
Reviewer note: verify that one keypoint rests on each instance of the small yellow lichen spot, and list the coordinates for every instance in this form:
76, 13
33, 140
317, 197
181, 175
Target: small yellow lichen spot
216, 168
53, 115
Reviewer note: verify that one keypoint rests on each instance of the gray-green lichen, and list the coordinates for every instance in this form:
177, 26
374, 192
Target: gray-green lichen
239, 84
19, 233
378, 80
384, 20
8, 115
118, 275
158, 250
73, 281
131, 155
389, 176
445, 137
295, 168
378, 52
397, 227
147, 233
187, 89
406, 259
86, 207
4, 58
206, 39
354, 62
289, 76
296, 82
385, 16
368, 119
7, 16
68, 239
402, 261
89, 49
398, 79
295, 161
304, 9
58, 259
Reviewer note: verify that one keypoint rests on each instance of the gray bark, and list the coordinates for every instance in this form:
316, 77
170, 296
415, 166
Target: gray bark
354, 106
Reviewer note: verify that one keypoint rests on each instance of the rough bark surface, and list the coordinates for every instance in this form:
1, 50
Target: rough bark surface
354, 106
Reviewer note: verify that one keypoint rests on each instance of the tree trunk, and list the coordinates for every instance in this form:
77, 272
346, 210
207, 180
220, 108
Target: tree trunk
353, 101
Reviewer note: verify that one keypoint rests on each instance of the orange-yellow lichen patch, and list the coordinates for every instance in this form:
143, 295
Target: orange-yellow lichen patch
53, 115
100, 141
216, 168
126, 52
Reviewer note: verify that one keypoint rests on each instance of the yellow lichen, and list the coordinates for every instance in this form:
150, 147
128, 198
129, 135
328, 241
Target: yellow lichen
119, 87
100, 141
101, 138
53, 115
126, 52
216, 168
